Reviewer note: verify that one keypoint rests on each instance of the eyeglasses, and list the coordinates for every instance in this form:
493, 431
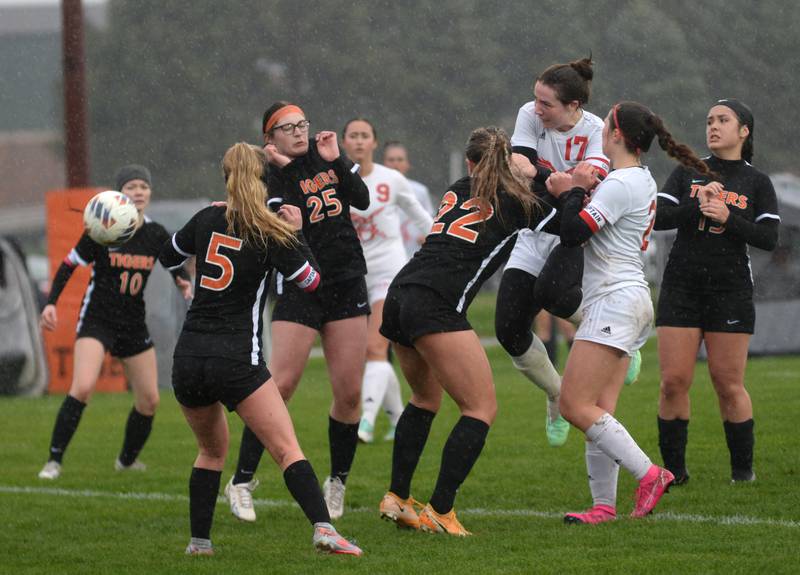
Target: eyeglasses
302, 125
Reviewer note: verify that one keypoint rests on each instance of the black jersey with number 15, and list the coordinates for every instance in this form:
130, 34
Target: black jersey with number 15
464, 248
324, 192
225, 319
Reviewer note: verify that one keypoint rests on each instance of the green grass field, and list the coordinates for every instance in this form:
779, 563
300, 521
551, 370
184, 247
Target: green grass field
94, 520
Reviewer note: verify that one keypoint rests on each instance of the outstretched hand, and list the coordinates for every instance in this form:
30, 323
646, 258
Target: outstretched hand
328, 146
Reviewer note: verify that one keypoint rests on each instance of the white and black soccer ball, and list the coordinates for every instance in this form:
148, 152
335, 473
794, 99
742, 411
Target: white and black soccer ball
110, 218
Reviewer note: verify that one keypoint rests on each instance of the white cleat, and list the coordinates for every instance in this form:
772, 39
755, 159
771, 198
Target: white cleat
240, 496
333, 490
51, 470
135, 466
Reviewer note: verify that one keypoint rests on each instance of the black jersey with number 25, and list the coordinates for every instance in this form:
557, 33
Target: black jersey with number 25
464, 247
225, 318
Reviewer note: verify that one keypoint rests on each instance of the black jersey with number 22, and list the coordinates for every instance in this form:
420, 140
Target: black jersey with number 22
464, 247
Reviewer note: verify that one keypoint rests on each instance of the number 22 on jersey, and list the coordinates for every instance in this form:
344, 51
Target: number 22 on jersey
223, 262
459, 228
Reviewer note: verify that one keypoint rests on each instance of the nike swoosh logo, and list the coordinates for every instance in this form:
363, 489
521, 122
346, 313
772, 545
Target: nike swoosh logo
732, 322
361, 304
698, 181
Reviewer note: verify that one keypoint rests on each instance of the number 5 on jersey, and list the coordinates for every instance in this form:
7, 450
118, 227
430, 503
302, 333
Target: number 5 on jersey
215, 258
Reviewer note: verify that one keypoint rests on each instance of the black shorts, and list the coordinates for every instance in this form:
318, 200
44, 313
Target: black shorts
731, 312
341, 300
202, 381
119, 341
411, 311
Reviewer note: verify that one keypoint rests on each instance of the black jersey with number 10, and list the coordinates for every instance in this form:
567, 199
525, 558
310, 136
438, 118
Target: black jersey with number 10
225, 319
464, 247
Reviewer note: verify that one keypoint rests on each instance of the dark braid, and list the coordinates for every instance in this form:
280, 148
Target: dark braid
681, 152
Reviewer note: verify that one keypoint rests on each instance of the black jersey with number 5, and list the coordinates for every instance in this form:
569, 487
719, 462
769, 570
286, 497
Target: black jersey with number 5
225, 318
324, 192
119, 275
464, 248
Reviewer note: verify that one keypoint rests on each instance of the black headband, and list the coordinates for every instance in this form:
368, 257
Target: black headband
741, 110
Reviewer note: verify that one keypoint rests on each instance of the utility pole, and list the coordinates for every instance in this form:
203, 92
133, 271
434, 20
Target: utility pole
76, 132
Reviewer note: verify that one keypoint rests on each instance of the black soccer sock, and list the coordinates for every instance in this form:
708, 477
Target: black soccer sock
410, 437
203, 491
740, 440
304, 487
673, 435
137, 430
343, 438
250, 452
459, 455
67, 420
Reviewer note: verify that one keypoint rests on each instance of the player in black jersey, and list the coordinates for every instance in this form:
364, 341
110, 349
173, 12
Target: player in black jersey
218, 357
425, 316
707, 290
323, 184
112, 319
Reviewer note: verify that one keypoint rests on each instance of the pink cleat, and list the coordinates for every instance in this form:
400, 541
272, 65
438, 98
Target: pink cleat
651, 487
597, 514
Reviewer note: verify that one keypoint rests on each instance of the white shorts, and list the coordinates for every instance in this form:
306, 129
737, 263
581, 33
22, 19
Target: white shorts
621, 319
378, 285
531, 251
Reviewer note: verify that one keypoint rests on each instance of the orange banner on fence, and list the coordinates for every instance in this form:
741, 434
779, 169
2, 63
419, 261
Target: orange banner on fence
64, 229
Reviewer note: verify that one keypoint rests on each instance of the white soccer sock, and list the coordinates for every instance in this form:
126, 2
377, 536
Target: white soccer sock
535, 365
603, 474
392, 399
373, 388
611, 437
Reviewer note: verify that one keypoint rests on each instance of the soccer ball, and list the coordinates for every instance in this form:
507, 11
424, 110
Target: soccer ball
110, 218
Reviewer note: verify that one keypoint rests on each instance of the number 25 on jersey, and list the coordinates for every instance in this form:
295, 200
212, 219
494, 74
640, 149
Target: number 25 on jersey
459, 228
223, 262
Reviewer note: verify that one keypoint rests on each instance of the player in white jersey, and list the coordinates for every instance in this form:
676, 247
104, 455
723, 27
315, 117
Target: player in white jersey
617, 311
552, 133
395, 156
378, 229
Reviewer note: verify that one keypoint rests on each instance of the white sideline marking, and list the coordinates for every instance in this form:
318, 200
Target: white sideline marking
481, 512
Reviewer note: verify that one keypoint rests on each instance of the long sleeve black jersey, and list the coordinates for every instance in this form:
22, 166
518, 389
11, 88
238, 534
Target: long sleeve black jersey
707, 255
119, 275
324, 192
225, 319
464, 247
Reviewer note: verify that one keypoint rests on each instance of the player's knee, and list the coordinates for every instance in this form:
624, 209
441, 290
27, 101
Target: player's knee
82, 393
675, 385
347, 400
148, 404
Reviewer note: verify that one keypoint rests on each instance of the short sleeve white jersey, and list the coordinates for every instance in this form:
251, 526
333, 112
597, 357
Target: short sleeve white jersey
561, 151
378, 226
621, 213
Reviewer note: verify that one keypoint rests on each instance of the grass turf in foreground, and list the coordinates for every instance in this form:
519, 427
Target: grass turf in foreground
512, 501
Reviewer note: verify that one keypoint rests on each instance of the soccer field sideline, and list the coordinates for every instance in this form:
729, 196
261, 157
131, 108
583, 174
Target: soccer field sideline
478, 512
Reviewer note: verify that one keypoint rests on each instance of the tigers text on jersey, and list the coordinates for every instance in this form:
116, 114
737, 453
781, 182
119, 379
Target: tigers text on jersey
705, 255
465, 248
225, 318
378, 226
115, 293
561, 151
324, 192
621, 215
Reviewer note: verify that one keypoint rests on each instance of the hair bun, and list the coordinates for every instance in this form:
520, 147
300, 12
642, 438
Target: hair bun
584, 68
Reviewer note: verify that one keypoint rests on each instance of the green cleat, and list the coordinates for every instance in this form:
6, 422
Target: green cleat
634, 369
557, 431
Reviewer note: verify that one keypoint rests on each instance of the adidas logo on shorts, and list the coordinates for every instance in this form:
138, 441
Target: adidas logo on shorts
606, 330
